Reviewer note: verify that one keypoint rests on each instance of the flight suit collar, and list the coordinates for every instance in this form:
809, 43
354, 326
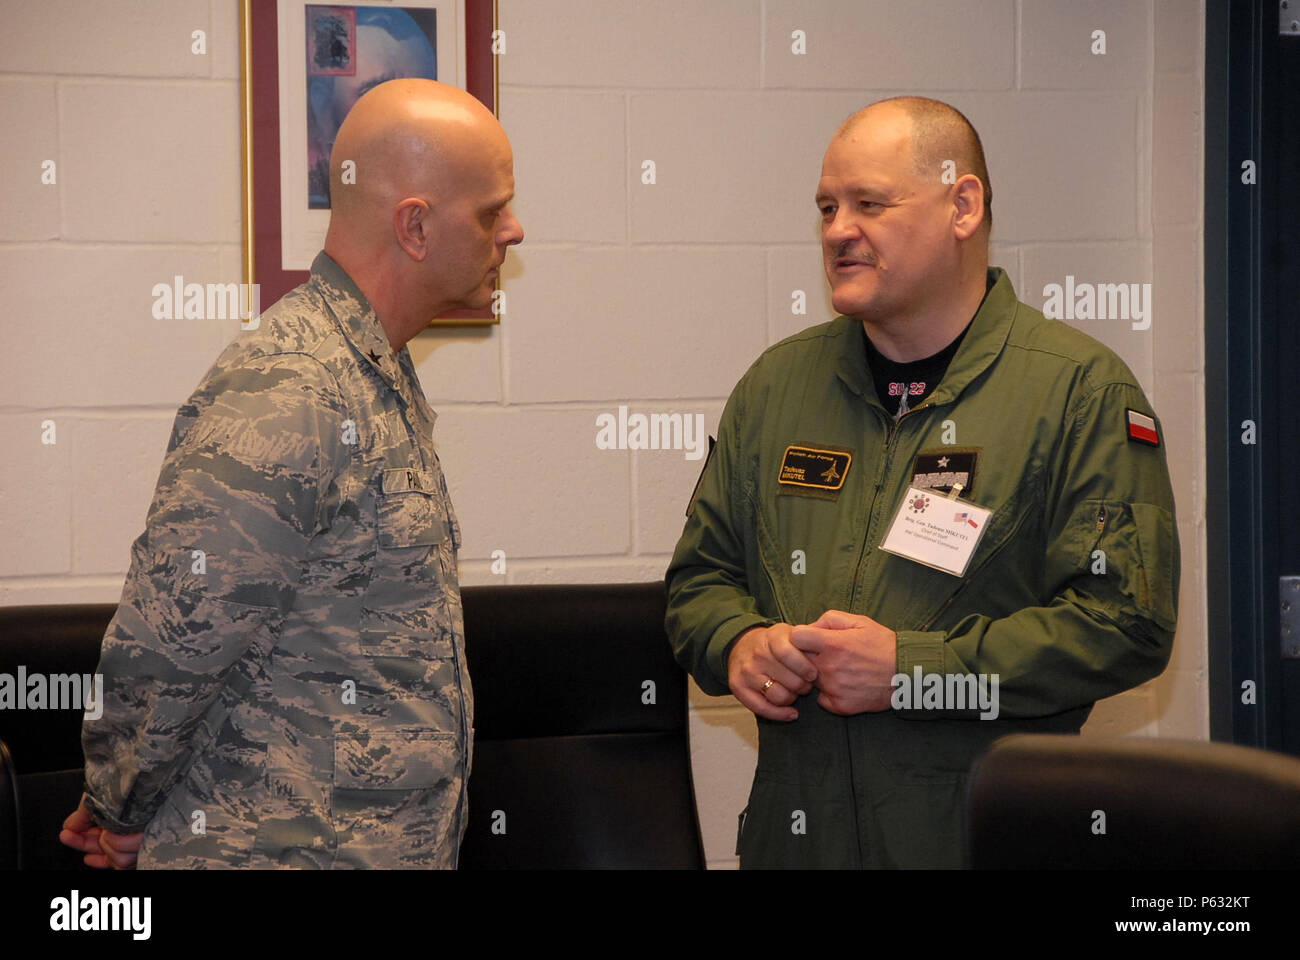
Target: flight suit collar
361, 327
984, 340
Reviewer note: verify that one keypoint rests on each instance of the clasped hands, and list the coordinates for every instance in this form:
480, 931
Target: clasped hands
102, 848
849, 658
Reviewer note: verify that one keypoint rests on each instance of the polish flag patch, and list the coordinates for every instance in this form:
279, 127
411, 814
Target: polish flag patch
1142, 428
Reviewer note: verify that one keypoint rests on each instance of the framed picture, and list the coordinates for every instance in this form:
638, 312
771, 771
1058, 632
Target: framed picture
304, 65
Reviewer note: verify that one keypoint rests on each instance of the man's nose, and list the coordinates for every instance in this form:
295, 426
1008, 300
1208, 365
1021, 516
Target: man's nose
841, 227
514, 230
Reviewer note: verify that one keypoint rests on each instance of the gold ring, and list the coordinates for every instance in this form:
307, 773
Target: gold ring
767, 686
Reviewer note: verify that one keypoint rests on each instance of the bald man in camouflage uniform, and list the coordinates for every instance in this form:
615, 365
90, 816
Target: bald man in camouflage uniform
285, 679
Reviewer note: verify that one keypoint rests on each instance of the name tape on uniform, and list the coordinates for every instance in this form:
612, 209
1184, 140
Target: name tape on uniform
407, 479
815, 467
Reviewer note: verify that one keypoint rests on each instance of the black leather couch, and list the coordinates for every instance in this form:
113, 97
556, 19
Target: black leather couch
587, 773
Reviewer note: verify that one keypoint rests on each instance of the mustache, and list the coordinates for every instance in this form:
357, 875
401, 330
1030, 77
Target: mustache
843, 253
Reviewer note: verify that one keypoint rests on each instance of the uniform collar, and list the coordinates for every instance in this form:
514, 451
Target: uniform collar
983, 342
361, 327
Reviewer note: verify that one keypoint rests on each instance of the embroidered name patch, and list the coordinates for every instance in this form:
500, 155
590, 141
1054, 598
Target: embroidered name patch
815, 467
405, 480
940, 470
1142, 428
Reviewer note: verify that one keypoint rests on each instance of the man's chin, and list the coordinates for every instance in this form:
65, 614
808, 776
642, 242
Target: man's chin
850, 306
480, 299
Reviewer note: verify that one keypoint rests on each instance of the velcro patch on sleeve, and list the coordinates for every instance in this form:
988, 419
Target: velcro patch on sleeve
1142, 428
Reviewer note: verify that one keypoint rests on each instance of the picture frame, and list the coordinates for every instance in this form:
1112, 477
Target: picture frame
303, 63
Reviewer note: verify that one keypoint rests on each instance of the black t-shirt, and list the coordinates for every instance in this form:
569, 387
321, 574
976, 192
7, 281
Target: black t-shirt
902, 386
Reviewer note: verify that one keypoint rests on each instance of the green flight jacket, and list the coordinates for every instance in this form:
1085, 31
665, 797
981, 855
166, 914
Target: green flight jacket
1069, 597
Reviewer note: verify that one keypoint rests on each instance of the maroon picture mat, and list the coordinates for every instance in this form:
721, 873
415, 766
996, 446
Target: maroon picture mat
264, 102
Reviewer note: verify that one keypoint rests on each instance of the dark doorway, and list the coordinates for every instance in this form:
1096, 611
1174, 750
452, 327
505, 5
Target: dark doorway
1252, 377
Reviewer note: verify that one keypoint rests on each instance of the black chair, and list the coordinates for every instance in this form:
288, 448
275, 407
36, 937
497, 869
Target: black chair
582, 751
46, 744
11, 838
581, 748
1035, 802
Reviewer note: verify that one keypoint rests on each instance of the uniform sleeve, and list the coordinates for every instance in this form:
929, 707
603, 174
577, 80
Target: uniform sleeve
1111, 568
238, 499
709, 602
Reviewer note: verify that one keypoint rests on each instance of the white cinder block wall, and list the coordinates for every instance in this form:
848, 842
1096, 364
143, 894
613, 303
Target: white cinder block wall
656, 297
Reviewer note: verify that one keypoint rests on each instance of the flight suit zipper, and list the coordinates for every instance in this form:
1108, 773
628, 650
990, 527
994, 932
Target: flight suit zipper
781, 617
892, 428
740, 828
776, 598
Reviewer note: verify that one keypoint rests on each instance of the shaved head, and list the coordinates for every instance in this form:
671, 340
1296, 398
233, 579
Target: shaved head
404, 138
421, 179
939, 132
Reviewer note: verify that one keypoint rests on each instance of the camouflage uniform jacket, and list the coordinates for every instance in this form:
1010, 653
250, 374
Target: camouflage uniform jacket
285, 678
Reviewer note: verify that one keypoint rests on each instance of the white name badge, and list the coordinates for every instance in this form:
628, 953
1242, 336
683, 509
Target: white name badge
936, 530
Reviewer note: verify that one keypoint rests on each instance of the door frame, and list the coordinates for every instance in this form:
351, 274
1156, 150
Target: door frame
1240, 384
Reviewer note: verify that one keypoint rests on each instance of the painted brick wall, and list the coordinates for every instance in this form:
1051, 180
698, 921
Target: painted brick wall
656, 297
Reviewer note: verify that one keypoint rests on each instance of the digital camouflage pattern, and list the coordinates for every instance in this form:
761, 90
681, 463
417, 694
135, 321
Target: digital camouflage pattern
301, 683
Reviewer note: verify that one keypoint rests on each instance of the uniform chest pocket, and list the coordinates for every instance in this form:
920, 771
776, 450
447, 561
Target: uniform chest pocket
411, 511
406, 605
414, 509
412, 535
1008, 557
1007, 521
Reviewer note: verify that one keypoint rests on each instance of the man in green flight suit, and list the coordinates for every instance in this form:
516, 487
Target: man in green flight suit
936, 520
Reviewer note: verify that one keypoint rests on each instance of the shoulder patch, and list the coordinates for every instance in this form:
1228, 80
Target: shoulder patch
1142, 428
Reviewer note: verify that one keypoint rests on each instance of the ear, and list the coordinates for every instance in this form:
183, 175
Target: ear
968, 204
411, 222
